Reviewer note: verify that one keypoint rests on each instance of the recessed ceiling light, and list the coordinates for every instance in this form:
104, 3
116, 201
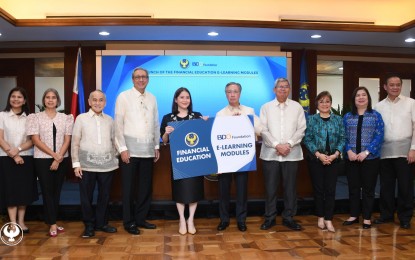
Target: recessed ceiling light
410, 40
213, 34
0, 34
104, 33
316, 36
341, 68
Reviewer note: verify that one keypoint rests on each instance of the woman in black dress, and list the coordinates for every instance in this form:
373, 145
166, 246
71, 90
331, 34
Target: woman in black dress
190, 190
18, 180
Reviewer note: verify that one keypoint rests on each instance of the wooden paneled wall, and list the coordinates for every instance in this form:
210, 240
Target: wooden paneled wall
24, 71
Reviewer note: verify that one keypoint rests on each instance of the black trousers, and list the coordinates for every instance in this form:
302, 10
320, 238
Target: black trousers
273, 171
362, 177
392, 170
51, 185
99, 218
137, 184
241, 181
324, 180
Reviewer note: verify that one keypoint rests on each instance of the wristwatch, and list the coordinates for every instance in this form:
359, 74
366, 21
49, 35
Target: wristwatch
19, 148
367, 152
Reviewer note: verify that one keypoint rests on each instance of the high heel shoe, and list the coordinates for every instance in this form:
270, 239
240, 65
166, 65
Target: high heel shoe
182, 228
53, 233
24, 229
320, 223
60, 229
329, 226
351, 222
366, 225
191, 228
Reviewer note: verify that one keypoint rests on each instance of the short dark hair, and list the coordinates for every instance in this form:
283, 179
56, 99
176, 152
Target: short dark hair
25, 107
369, 105
175, 107
54, 91
322, 95
392, 75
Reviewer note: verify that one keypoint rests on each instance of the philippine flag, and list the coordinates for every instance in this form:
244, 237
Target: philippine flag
78, 88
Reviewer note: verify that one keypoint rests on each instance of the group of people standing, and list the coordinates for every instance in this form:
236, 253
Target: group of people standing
368, 138
50, 134
376, 142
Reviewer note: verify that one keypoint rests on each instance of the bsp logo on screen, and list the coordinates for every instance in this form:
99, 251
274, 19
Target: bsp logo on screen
184, 63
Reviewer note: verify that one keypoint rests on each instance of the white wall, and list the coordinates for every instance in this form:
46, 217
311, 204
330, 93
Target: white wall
334, 85
372, 84
406, 87
43, 83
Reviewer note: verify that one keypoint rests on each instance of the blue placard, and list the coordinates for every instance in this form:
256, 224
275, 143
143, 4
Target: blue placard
217, 145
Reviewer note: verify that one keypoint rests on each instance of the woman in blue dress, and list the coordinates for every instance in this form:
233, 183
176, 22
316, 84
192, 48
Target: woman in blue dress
364, 137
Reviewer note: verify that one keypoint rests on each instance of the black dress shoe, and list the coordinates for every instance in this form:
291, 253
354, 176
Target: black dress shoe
405, 225
222, 225
132, 229
291, 224
26, 231
242, 226
351, 222
88, 232
379, 221
366, 226
268, 224
147, 225
106, 229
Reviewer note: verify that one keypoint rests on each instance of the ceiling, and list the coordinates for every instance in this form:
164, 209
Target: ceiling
329, 68
355, 24
83, 30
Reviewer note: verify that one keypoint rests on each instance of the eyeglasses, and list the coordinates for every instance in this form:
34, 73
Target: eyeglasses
141, 77
232, 92
283, 87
